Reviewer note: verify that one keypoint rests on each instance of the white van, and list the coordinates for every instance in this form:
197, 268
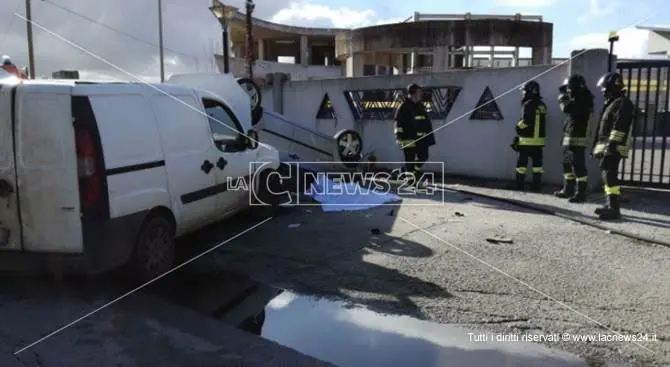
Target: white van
108, 174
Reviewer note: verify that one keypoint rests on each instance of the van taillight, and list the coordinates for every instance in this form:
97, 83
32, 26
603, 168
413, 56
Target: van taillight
90, 182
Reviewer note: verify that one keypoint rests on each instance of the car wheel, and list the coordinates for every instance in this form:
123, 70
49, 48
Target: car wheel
154, 249
253, 90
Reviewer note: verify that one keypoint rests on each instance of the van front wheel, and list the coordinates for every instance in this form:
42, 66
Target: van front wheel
154, 249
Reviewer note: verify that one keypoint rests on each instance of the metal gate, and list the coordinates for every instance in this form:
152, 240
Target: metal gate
647, 84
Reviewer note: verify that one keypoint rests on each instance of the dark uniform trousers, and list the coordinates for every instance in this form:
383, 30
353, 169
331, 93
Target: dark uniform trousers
415, 157
532, 153
574, 164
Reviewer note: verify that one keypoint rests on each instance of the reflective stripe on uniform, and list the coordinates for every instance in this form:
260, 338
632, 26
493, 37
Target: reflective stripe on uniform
618, 136
407, 143
582, 179
575, 142
398, 130
531, 141
521, 125
612, 190
521, 170
538, 170
536, 140
599, 148
419, 117
622, 149
420, 134
569, 176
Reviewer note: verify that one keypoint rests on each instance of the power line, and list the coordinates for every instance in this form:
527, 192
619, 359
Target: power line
128, 35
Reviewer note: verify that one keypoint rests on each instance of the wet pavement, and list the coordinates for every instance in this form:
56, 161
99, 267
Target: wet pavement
345, 334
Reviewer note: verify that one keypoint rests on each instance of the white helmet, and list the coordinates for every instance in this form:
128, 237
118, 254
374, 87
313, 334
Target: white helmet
6, 60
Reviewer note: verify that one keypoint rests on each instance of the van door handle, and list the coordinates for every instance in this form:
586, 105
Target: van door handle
206, 166
221, 163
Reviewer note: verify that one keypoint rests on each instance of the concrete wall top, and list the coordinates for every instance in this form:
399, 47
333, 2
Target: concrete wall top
429, 34
240, 19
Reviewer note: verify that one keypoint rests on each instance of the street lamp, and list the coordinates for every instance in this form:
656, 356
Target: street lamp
613, 37
223, 14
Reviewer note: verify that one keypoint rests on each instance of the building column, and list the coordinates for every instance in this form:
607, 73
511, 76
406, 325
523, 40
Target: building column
354, 65
304, 50
541, 55
492, 56
413, 62
440, 55
515, 57
261, 49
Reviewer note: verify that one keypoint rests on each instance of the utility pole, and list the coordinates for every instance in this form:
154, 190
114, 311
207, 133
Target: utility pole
160, 39
250, 39
29, 33
612, 38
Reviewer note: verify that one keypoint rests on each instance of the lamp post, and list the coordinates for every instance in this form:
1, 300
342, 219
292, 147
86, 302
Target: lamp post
613, 37
160, 40
250, 39
223, 14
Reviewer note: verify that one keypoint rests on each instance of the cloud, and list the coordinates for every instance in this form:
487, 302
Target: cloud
526, 3
191, 34
632, 42
306, 13
599, 8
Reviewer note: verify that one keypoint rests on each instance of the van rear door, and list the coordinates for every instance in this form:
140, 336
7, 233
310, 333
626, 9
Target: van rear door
10, 227
47, 169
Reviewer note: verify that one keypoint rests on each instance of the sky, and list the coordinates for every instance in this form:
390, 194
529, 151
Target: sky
84, 40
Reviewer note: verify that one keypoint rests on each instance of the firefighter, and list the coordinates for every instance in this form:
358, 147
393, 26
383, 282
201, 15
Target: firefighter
531, 133
9, 66
576, 102
413, 132
613, 140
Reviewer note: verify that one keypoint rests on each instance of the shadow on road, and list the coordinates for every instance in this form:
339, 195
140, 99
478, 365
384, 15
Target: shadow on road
323, 254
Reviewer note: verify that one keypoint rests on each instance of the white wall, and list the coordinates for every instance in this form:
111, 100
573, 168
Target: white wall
468, 147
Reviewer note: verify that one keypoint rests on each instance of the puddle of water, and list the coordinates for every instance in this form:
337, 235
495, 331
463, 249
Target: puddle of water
355, 336
349, 336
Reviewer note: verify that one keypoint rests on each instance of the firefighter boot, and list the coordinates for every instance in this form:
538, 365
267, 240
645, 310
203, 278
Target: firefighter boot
567, 191
612, 211
519, 182
536, 185
580, 193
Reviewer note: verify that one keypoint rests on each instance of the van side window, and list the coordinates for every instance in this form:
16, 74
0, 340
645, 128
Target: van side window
226, 129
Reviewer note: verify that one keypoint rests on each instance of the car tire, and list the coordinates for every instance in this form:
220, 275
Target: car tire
246, 84
154, 252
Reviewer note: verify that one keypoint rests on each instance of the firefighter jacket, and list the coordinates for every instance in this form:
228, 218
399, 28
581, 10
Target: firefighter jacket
532, 128
616, 127
577, 127
413, 126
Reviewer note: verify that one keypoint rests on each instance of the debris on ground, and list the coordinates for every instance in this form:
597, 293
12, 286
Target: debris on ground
375, 231
499, 239
459, 214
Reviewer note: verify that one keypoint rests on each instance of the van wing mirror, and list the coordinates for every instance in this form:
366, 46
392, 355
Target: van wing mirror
252, 139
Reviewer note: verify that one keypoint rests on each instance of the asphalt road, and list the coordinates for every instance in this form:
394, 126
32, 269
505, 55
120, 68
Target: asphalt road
431, 260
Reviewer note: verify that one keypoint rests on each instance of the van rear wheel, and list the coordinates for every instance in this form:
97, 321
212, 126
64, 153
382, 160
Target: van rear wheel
154, 249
